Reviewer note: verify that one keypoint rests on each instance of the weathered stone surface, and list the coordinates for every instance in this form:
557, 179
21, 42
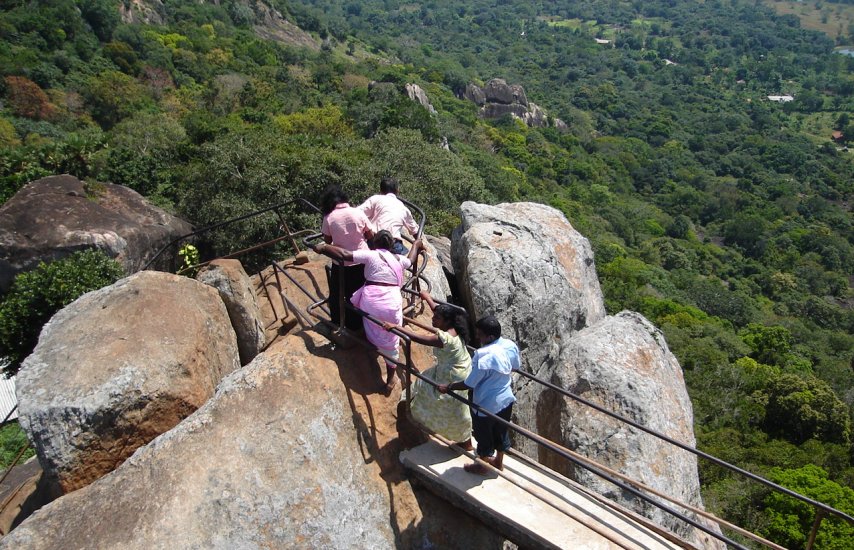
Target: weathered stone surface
525, 264
149, 12
498, 110
119, 366
498, 91
289, 453
238, 293
535, 117
53, 217
439, 287
442, 249
416, 93
623, 364
271, 25
475, 94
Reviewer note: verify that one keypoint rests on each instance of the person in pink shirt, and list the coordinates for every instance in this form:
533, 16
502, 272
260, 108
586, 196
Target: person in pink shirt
348, 228
380, 296
387, 212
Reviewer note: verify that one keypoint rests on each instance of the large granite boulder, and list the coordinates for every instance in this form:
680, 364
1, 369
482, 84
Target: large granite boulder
55, 216
119, 366
290, 453
238, 293
527, 265
498, 91
622, 363
498, 99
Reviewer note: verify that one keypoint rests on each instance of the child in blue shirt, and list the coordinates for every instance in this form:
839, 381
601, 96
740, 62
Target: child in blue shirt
490, 380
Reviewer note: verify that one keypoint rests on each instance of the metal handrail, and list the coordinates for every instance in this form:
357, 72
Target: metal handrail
217, 225
821, 508
685, 447
558, 449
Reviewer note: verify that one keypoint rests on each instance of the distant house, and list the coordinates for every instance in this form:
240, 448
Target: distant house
602, 41
781, 98
837, 136
669, 62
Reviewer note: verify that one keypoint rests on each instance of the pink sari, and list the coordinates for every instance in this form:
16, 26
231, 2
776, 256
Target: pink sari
386, 304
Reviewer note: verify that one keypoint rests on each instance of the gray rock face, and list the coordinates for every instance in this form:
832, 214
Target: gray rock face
498, 91
525, 264
498, 110
270, 462
475, 94
53, 217
416, 93
118, 367
497, 99
439, 287
623, 364
237, 292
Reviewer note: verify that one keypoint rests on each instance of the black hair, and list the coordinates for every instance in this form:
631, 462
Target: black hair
458, 318
489, 325
332, 196
389, 185
382, 239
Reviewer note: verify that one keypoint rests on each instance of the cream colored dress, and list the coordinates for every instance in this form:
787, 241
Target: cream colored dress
442, 413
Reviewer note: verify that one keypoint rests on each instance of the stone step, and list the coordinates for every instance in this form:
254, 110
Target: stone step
531, 505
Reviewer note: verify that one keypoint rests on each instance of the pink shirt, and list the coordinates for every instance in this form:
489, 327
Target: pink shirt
378, 269
347, 225
389, 213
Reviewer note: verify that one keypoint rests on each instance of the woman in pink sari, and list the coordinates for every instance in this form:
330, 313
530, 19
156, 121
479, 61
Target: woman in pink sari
380, 296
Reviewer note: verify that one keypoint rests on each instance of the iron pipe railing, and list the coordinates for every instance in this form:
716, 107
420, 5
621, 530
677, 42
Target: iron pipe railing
174, 242
561, 451
685, 447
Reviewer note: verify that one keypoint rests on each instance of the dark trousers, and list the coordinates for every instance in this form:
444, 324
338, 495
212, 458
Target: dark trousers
491, 434
354, 278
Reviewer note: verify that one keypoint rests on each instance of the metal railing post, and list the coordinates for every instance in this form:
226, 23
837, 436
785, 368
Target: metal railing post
819, 515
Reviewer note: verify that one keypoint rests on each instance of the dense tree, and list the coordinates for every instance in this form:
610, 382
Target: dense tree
36, 295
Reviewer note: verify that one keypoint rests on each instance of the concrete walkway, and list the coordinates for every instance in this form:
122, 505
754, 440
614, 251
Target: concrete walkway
531, 505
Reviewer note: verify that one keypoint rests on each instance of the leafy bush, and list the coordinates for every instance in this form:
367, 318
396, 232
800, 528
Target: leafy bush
791, 520
12, 440
36, 295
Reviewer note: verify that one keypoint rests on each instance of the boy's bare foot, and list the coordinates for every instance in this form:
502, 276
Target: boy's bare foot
492, 461
389, 387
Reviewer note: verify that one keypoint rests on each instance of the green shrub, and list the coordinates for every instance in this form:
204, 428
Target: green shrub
36, 295
12, 440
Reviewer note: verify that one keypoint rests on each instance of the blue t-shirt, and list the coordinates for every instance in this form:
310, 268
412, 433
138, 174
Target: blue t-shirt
490, 377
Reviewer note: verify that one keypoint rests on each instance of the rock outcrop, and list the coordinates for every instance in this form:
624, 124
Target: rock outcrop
525, 264
119, 366
497, 99
55, 216
622, 363
295, 450
433, 272
238, 293
416, 93
149, 12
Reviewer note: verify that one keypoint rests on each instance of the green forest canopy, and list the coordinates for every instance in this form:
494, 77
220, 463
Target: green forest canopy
721, 216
